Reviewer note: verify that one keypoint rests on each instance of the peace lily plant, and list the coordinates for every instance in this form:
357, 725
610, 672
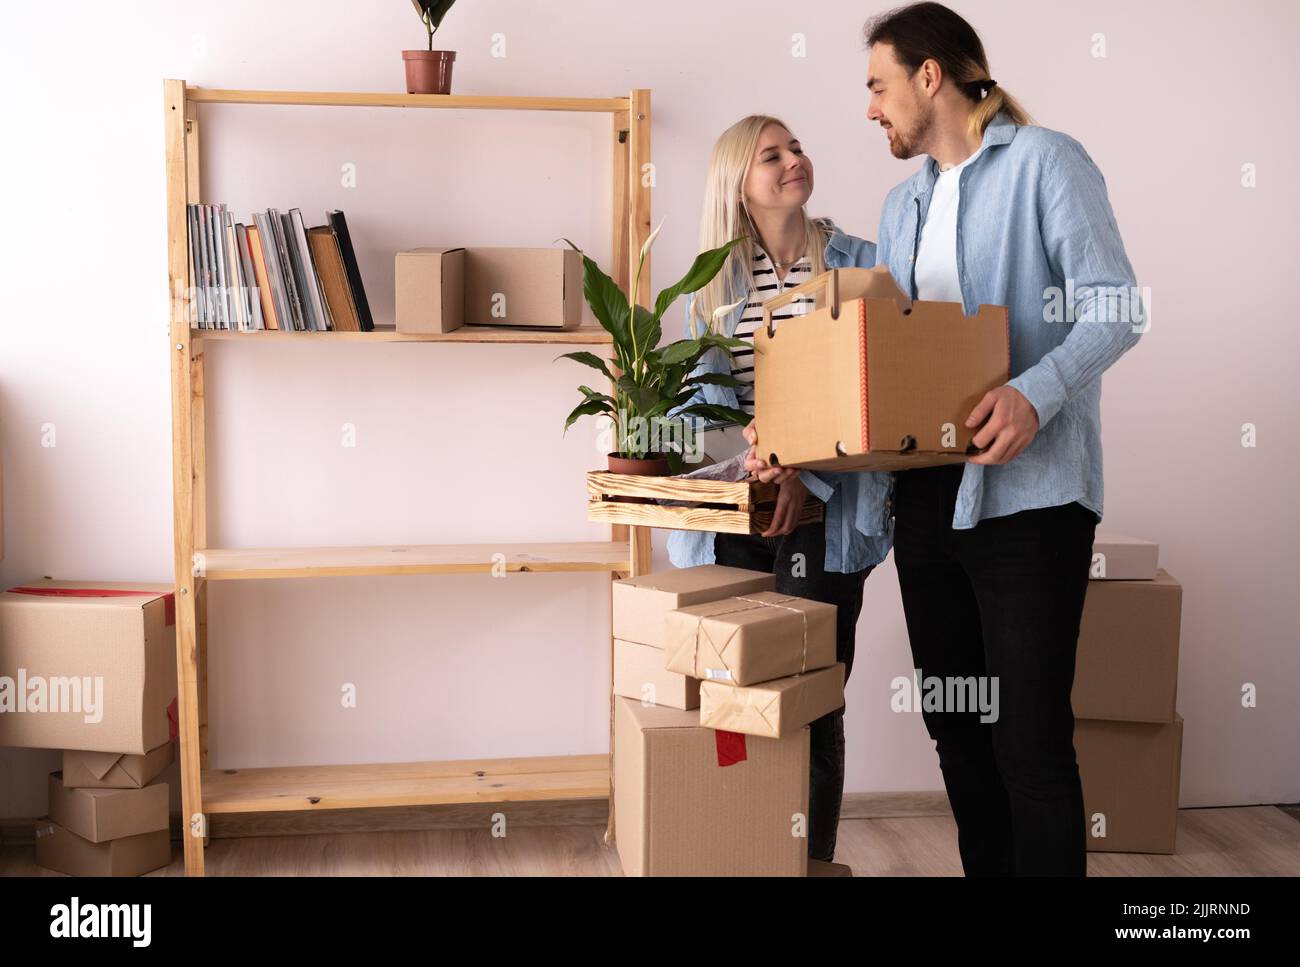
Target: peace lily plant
653, 380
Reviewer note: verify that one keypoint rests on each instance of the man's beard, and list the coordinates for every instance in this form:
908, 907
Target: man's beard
909, 145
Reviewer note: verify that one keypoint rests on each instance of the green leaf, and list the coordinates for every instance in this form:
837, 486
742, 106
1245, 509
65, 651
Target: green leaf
588, 359
432, 10
587, 408
592, 394
724, 342
701, 272
642, 398
717, 379
681, 350
648, 330
608, 304
718, 414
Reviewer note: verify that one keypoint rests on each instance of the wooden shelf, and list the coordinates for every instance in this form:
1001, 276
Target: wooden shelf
292, 788
582, 335
212, 95
262, 563
627, 552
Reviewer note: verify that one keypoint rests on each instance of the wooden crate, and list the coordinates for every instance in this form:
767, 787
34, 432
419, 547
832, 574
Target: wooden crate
744, 507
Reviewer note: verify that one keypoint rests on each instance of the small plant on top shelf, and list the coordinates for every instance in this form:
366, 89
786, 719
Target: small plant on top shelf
653, 381
429, 71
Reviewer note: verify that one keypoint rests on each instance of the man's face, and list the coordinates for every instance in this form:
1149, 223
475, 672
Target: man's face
896, 102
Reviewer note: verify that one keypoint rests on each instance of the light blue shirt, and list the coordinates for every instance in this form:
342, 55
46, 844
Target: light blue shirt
1035, 233
858, 512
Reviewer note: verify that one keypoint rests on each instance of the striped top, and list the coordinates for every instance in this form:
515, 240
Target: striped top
766, 286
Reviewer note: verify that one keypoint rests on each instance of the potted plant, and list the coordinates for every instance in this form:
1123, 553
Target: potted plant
652, 380
429, 71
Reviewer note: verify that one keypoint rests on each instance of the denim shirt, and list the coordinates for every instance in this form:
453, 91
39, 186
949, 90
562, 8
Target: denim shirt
1035, 233
859, 518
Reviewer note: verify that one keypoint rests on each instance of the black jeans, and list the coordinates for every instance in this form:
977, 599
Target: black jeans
1003, 600
808, 578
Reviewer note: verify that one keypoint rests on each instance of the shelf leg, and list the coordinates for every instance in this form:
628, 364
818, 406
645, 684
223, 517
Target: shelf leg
193, 822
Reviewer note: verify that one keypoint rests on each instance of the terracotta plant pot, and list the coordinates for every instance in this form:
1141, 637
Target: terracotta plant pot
428, 71
651, 467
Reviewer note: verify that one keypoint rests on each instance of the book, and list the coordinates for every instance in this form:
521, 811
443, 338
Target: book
255, 251
219, 260
205, 268
333, 278
253, 290
315, 300
339, 226
271, 264
191, 300
238, 288
286, 269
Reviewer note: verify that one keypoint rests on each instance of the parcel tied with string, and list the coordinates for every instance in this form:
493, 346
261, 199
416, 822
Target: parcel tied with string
750, 638
870, 380
773, 709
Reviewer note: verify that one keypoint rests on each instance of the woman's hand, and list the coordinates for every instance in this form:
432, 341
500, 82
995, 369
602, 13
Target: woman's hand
789, 502
759, 467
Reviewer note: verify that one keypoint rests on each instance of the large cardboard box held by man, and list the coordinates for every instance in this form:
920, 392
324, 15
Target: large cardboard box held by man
691, 801
87, 665
870, 380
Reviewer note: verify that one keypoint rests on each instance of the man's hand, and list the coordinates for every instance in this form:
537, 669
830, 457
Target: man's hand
789, 501
759, 467
1012, 423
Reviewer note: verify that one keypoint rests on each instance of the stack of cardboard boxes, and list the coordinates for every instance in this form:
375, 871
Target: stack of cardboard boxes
716, 678
1128, 734
90, 668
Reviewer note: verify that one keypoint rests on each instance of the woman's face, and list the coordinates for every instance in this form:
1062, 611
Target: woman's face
780, 175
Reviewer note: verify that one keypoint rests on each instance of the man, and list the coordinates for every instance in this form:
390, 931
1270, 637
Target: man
993, 555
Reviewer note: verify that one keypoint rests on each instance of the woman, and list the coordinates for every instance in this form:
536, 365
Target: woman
759, 182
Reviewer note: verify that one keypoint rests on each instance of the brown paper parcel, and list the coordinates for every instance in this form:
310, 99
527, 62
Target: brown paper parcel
750, 638
772, 709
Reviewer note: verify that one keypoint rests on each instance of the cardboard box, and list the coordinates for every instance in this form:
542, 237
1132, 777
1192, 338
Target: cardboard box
63, 850
640, 603
1130, 773
886, 384
679, 812
430, 289
113, 770
523, 287
103, 814
1117, 558
87, 665
772, 709
750, 639
1126, 667
639, 674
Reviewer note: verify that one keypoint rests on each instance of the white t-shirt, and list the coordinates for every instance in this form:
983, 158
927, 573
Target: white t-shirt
936, 256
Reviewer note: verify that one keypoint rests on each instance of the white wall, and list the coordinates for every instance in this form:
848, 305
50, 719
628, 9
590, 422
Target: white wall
453, 439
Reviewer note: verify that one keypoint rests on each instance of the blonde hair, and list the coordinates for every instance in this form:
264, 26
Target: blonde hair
725, 217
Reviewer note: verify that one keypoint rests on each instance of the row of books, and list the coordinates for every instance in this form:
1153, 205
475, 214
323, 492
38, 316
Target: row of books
274, 273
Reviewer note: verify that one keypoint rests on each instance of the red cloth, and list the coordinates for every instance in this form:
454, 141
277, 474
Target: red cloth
730, 746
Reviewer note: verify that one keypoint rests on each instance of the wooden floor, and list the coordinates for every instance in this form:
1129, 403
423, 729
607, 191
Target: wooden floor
1256, 840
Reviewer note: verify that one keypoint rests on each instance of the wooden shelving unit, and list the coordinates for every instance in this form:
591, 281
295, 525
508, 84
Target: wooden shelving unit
206, 791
